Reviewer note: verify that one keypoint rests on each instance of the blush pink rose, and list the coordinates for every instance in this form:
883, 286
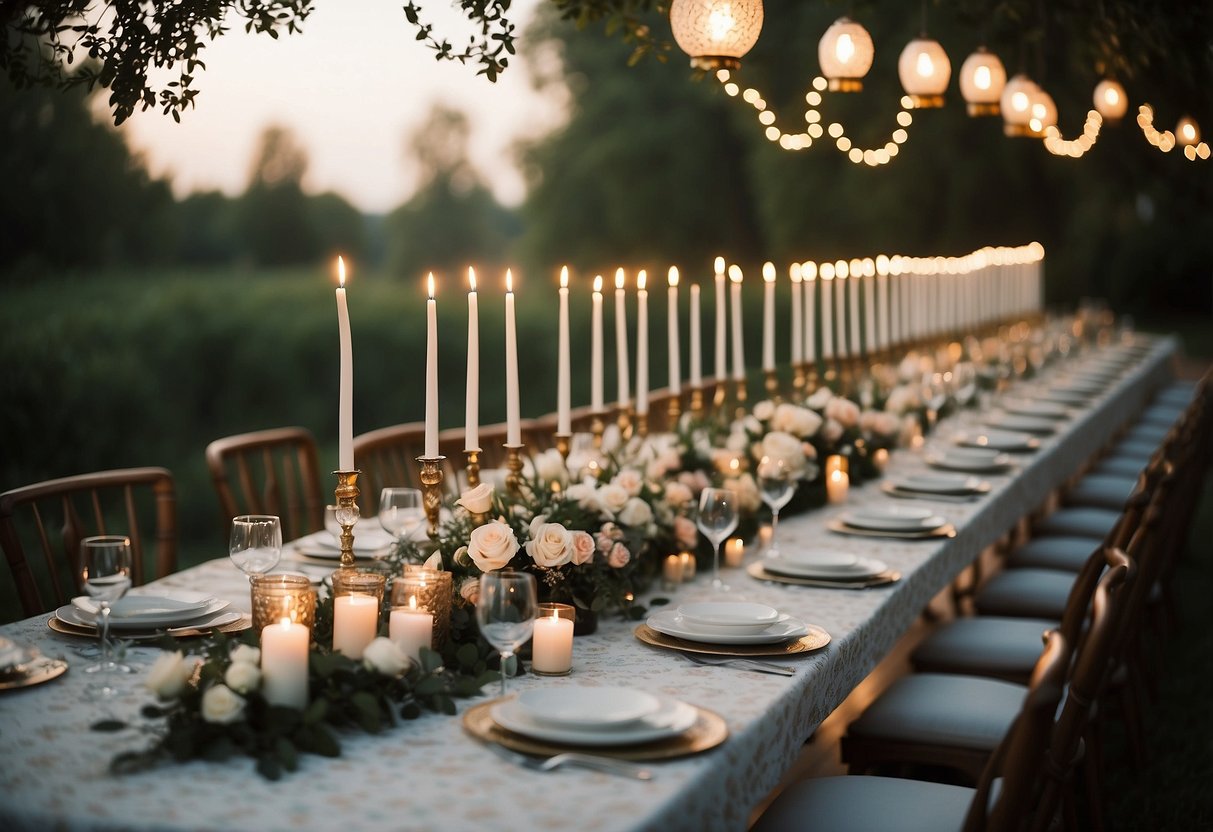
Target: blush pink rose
619, 556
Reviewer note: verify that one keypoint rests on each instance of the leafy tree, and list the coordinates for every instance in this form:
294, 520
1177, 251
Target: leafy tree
275, 224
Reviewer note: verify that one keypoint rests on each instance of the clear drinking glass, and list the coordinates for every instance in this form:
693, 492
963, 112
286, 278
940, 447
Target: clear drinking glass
717, 520
776, 484
256, 543
105, 562
401, 511
505, 611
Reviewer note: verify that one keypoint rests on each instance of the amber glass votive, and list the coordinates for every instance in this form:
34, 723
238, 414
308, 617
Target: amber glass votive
431, 590
275, 597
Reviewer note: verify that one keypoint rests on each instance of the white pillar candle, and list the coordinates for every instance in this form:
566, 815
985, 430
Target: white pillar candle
642, 343
689, 565
671, 570
768, 316
513, 424
471, 420
596, 347
411, 629
869, 311
734, 551
696, 342
808, 274
431, 372
345, 394
840, 309
721, 368
563, 377
623, 387
552, 645
738, 339
797, 345
355, 622
284, 656
827, 312
837, 485
673, 346
853, 303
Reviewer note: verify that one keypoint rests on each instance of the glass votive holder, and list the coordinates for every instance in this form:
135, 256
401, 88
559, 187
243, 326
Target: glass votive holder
357, 597
671, 572
552, 642
688, 565
278, 597
431, 590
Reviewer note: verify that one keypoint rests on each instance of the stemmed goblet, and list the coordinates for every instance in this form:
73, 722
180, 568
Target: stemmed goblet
256, 543
106, 576
506, 610
717, 519
776, 484
401, 511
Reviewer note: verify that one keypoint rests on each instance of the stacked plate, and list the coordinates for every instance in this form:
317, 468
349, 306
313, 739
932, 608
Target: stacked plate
999, 440
970, 460
594, 717
891, 521
22, 666
1024, 424
13, 656
1037, 409
728, 622
142, 613
956, 486
824, 565
370, 540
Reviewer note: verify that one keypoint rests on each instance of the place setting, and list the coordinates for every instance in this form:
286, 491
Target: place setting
969, 460
144, 615
1014, 422
955, 488
892, 521
1040, 409
22, 666
1009, 441
823, 568
738, 630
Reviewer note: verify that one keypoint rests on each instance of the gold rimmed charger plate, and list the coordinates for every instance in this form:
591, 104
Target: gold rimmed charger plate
709, 731
910, 494
946, 530
815, 639
65, 628
756, 570
40, 670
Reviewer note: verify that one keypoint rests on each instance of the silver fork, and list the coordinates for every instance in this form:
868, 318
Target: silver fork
603, 764
741, 664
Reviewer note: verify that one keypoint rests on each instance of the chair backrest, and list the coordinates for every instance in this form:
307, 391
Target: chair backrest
269, 472
41, 526
387, 457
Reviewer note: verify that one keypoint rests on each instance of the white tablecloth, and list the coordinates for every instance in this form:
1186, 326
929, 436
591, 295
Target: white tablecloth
428, 774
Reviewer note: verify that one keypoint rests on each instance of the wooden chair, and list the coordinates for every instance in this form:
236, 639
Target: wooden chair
388, 457
269, 472
50, 518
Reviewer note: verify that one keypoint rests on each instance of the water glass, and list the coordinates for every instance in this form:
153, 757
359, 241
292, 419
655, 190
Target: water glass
505, 611
256, 543
776, 484
401, 511
717, 520
105, 562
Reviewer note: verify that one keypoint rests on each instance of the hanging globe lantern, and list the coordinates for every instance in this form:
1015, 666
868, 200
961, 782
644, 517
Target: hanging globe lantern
716, 33
924, 69
982, 78
1110, 100
845, 54
1043, 113
1016, 105
1187, 132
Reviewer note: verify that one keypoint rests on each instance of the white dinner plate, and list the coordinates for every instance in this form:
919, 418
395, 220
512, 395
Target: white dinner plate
1062, 396
73, 615
739, 616
368, 540
1025, 424
957, 484
670, 623
146, 607
972, 460
893, 519
999, 440
671, 719
1039, 409
586, 708
823, 567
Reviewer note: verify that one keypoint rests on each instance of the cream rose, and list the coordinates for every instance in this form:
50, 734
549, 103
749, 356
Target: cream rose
434, 562
630, 481
478, 500
844, 411
384, 657
677, 494
169, 675
247, 654
636, 513
786, 447
798, 421
492, 546
764, 410
832, 431
819, 399
685, 532
551, 545
613, 498
469, 590
619, 556
748, 496
583, 548
549, 465
738, 441
221, 705
242, 677
584, 494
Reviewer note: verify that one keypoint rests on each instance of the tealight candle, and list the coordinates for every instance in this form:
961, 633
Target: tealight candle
411, 628
284, 658
552, 642
688, 565
766, 533
734, 551
837, 484
355, 621
671, 570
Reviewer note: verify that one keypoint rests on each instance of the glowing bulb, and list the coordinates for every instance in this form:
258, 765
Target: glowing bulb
924, 67
844, 49
981, 78
1019, 102
721, 23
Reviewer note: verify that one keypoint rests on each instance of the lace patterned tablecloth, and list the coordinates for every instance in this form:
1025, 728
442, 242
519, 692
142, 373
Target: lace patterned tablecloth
429, 775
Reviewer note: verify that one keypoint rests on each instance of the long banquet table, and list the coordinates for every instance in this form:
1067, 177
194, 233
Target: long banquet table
429, 774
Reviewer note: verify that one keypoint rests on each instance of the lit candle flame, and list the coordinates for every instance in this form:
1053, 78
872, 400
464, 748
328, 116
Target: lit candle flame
564, 277
794, 272
284, 623
509, 281
841, 270
768, 272
431, 285
641, 278
808, 270
619, 278
673, 275
555, 615
472, 278
412, 602
718, 265
735, 273
598, 284
341, 271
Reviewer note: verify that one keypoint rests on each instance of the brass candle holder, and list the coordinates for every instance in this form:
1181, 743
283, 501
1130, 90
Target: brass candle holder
771, 384
564, 444
346, 494
739, 397
641, 425
597, 428
473, 466
513, 467
625, 423
798, 381
811, 381
674, 411
431, 489
697, 402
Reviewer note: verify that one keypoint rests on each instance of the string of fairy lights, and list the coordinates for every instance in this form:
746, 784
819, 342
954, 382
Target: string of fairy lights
717, 33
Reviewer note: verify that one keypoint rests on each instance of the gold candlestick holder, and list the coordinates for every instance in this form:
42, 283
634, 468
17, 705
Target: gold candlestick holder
674, 411
641, 425
739, 397
597, 428
798, 381
697, 402
564, 444
720, 395
624, 421
771, 385
473, 467
513, 467
811, 380
431, 490
346, 495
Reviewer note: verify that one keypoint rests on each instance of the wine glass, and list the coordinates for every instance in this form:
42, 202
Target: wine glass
717, 520
776, 484
401, 511
506, 610
105, 562
331, 524
256, 543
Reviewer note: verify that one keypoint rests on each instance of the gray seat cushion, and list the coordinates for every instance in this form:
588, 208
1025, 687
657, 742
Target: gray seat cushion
1160, 414
942, 709
1026, 593
867, 804
1120, 466
984, 646
1079, 522
1064, 553
1135, 447
1102, 491
1154, 434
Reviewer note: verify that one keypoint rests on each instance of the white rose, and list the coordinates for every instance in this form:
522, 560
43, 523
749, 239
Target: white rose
469, 590
583, 548
221, 705
748, 497
636, 513
908, 369
384, 657
737, 442
677, 494
551, 545
751, 425
434, 562
478, 500
169, 675
613, 498
844, 411
818, 400
630, 481
533, 527
246, 654
550, 466
492, 546
242, 677
832, 431
798, 421
764, 410
785, 447
585, 495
